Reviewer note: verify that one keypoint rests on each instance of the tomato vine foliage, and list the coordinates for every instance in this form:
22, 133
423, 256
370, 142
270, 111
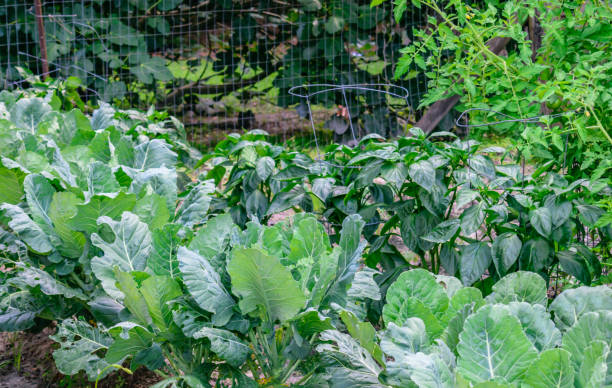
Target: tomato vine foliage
556, 61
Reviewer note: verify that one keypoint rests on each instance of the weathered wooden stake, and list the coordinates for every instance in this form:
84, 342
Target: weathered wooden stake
42, 41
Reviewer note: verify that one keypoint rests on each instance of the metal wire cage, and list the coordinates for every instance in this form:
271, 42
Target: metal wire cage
347, 121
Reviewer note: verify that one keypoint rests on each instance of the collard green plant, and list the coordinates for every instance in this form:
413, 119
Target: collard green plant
507, 339
253, 300
81, 195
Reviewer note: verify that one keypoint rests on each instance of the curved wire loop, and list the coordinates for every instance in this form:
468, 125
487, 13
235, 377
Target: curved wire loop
303, 91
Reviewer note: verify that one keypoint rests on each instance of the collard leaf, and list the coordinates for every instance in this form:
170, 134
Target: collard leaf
33, 277
158, 291
39, 193
519, 286
309, 241
364, 333
420, 285
537, 324
493, 345
163, 260
592, 327
154, 154
264, 285
162, 180
225, 344
86, 218
572, 304
11, 187
62, 208
102, 117
26, 229
129, 250
138, 339
80, 345
211, 239
594, 369
194, 209
27, 113
205, 286
552, 369
354, 363
152, 210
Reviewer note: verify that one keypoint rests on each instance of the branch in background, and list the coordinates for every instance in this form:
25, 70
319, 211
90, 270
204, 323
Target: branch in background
440, 108
197, 87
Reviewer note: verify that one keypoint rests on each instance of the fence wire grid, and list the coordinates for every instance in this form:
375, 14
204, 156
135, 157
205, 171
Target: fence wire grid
218, 65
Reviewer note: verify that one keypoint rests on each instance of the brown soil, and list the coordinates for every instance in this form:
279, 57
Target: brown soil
26, 361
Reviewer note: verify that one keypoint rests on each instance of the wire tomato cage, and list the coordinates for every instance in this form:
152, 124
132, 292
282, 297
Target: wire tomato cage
303, 91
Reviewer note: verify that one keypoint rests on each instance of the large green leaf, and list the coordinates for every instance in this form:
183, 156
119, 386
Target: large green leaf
461, 298
132, 297
351, 247
162, 260
157, 292
364, 333
102, 117
27, 113
80, 346
493, 345
400, 343
552, 369
537, 325
519, 286
309, 241
138, 340
505, 250
205, 286
423, 173
594, 370
591, 327
129, 250
475, 259
86, 218
416, 293
264, 285
194, 209
62, 208
225, 344
26, 229
152, 209
212, 238
30, 277
39, 193
354, 366
101, 179
11, 187
161, 180
572, 304
153, 154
